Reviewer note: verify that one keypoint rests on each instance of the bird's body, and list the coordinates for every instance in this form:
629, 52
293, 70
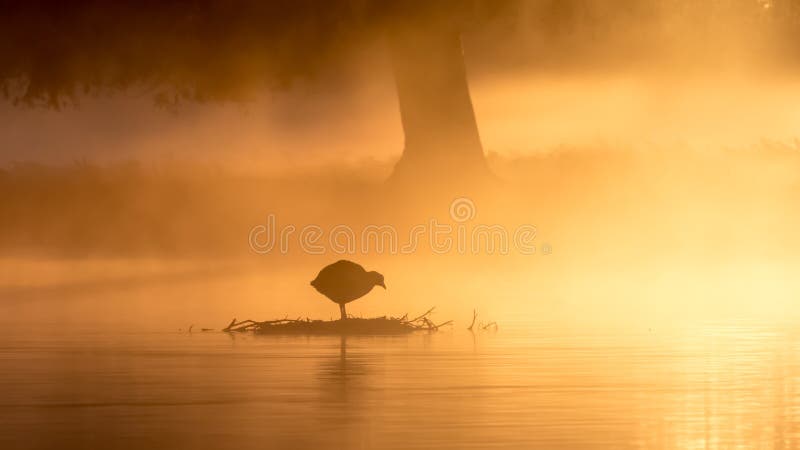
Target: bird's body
345, 281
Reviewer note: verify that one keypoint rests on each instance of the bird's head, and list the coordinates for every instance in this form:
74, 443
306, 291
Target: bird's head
377, 279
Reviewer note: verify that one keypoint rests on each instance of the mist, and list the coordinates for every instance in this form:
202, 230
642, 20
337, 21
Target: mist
369, 224
649, 152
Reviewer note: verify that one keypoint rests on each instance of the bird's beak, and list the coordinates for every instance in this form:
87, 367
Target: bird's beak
382, 284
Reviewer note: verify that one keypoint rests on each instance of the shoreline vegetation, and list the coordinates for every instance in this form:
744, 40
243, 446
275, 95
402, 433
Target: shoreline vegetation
349, 326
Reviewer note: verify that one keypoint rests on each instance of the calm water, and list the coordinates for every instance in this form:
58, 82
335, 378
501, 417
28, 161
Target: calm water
709, 385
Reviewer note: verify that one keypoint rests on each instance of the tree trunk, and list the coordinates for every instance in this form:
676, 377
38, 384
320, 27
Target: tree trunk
441, 134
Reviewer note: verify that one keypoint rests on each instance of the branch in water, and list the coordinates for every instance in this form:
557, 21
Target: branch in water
474, 316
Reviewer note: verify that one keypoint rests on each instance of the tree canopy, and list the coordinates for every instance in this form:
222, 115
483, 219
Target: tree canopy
200, 49
52, 50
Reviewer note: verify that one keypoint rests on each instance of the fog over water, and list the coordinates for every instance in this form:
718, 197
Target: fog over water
518, 114
653, 150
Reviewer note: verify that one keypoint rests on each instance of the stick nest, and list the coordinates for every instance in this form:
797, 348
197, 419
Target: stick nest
351, 325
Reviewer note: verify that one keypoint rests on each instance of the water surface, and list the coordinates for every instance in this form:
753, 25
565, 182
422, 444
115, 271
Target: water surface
729, 384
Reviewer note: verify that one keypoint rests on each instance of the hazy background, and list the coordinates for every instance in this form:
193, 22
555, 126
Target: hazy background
656, 150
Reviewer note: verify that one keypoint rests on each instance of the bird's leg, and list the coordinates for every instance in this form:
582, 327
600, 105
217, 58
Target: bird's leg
344, 313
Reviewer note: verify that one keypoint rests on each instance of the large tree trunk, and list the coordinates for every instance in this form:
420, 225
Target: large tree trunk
441, 135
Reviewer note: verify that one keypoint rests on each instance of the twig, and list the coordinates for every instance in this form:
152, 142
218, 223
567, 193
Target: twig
443, 324
423, 316
230, 325
474, 316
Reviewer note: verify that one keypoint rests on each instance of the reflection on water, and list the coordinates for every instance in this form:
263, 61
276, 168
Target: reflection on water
718, 385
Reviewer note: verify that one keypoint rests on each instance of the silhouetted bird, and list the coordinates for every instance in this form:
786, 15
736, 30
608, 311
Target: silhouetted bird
345, 281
